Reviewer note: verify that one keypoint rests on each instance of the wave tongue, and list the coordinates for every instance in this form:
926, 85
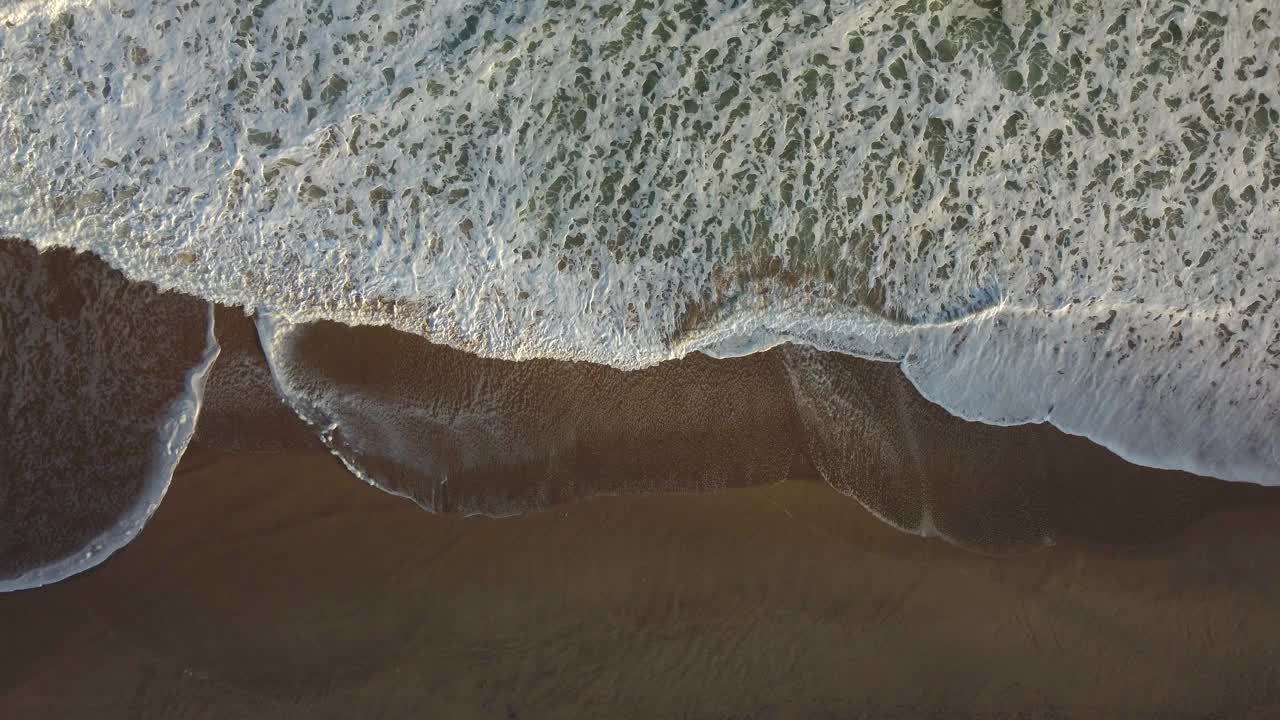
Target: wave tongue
459, 433
100, 387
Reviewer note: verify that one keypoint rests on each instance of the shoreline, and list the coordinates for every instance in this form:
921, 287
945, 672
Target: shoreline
464, 434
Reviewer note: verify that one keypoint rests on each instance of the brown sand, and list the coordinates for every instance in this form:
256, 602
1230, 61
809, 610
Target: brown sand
275, 586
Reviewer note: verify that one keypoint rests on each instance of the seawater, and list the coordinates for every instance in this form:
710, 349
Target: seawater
1044, 211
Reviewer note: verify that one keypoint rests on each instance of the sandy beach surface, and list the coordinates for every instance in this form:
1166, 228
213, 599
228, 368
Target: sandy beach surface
273, 585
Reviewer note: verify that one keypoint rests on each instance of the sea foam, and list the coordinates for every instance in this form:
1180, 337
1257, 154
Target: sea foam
1058, 211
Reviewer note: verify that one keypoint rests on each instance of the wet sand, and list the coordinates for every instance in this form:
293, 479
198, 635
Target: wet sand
276, 586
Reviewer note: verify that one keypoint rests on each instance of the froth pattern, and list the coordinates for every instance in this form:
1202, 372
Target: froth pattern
1090, 189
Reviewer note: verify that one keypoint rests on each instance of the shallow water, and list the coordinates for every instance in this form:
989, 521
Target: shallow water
100, 386
460, 434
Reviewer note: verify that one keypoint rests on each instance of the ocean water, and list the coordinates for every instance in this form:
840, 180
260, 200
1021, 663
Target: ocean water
1043, 211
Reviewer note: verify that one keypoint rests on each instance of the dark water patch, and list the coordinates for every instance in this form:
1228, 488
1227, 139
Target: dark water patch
99, 388
458, 433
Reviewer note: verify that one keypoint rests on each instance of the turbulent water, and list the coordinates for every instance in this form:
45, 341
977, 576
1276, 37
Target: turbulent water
1063, 211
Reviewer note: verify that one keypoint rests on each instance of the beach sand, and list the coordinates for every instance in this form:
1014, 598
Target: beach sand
276, 586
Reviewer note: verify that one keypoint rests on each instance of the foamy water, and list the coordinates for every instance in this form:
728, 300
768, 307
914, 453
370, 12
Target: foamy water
1044, 211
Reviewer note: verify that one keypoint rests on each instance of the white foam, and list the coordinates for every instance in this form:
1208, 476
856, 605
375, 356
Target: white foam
540, 181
